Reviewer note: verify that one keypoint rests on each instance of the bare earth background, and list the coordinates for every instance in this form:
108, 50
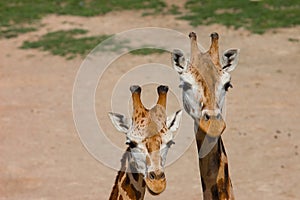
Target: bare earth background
41, 156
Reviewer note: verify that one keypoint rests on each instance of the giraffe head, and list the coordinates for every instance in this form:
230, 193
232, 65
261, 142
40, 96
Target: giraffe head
149, 135
205, 79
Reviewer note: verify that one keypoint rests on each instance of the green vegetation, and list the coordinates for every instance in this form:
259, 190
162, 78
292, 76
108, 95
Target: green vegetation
20, 16
66, 43
27, 11
15, 13
11, 32
256, 16
174, 10
72, 42
293, 40
147, 51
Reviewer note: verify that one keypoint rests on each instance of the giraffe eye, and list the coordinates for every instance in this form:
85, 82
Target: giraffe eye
227, 86
131, 144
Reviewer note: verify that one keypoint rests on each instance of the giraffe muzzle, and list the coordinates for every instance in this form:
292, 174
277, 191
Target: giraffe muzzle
156, 182
212, 125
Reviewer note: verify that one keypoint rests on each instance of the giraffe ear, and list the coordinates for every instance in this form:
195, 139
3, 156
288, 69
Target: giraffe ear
230, 59
121, 123
178, 60
173, 121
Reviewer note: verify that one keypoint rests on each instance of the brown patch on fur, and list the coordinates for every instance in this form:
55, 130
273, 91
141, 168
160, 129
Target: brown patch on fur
214, 192
143, 183
135, 176
120, 175
115, 190
126, 186
153, 143
223, 189
136, 192
222, 148
203, 185
114, 193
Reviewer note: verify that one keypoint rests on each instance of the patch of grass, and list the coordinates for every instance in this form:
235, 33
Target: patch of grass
147, 51
72, 43
256, 16
15, 13
28, 11
174, 10
66, 43
12, 32
293, 40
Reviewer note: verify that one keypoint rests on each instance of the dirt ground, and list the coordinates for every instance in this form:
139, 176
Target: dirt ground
42, 157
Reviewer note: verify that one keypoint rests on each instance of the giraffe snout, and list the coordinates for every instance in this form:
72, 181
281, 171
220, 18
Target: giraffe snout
212, 124
156, 182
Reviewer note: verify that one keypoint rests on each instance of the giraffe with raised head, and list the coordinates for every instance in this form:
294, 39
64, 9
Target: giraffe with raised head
204, 80
149, 135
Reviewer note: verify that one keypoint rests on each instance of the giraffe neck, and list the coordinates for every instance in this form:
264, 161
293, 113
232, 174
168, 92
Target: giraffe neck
128, 186
214, 172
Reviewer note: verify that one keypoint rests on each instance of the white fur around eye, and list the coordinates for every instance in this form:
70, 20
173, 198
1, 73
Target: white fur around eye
225, 78
167, 136
188, 78
192, 102
220, 91
163, 152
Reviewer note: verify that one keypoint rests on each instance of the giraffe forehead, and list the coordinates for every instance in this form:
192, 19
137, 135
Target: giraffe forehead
147, 128
157, 114
153, 143
150, 122
205, 70
207, 80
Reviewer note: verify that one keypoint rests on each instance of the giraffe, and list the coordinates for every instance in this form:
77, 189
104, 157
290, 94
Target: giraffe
204, 80
149, 135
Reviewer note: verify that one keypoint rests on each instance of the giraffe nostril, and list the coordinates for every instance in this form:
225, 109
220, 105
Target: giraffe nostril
206, 117
151, 175
161, 175
219, 116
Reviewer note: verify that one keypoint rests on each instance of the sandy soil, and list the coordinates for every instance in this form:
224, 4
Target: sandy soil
41, 156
